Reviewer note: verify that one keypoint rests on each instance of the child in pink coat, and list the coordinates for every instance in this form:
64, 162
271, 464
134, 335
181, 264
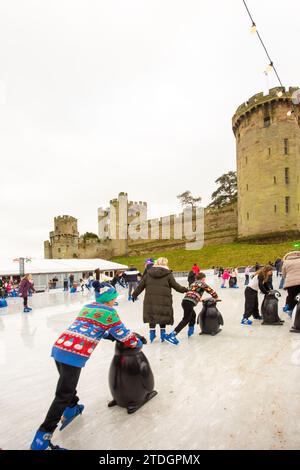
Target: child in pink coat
225, 277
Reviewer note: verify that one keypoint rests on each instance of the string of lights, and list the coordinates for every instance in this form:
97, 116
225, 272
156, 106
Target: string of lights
271, 67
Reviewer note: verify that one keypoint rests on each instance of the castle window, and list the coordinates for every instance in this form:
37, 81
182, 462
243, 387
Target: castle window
267, 121
286, 146
286, 175
275, 208
246, 160
269, 151
248, 216
247, 187
287, 204
298, 207
59, 250
275, 181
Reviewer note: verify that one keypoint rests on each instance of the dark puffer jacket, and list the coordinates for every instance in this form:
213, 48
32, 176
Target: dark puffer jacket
158, 304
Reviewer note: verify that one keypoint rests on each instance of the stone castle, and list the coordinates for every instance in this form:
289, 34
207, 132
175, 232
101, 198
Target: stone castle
268, 162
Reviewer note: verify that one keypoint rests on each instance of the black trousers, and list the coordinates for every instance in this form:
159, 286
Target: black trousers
153, 325
25, 301
251, 303
292, 292
189, 315
65, 395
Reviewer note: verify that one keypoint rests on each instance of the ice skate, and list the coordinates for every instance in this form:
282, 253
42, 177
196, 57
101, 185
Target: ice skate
171, 338
26, 310
191, 331
152, 335
162, 334
246, 321
70, 414
42, 441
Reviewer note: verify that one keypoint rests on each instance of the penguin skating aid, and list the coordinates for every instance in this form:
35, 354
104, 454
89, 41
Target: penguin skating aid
131, 380
269, 309
296, 327
210, 318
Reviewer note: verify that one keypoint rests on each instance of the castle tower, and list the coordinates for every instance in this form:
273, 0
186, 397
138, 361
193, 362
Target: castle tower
268, 163
64, 239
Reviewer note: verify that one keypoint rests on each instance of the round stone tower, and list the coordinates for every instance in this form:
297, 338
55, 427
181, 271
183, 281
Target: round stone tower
65, 237
268, 164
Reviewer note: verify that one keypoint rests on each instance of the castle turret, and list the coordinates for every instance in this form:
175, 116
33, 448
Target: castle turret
64, 239
268, 163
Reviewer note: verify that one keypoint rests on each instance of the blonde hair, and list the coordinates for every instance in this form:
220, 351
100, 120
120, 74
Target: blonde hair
162, 262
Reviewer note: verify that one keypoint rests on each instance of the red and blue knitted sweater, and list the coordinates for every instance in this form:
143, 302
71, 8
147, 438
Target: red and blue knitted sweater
76, 343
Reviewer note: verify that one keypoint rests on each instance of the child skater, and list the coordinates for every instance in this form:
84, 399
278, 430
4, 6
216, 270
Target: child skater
189, 302
225, 277
71, 351
260, 281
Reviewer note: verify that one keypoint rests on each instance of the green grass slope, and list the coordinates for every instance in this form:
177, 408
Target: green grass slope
231, 255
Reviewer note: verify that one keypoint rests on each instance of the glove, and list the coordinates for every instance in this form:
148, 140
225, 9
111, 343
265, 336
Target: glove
140, 337
108, 336
139, 344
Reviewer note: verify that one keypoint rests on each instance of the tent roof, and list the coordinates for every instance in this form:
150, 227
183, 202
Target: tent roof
51, 266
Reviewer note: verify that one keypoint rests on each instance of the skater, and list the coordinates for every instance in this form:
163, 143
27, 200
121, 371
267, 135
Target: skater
234, 278
220, 271
148, 265
196, 269
25, 285
260, 281
225, 277
82, 284
66, 282
96, 283
71, 279
71, 351
291, 275
131, 277
189, 302
247, 274
158, 284
278, 266
118, 279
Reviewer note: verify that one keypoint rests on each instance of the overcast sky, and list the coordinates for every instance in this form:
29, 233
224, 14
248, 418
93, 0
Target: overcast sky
103, 96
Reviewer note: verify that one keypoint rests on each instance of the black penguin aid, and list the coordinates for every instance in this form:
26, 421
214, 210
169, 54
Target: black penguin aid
131, 380
210, 317
296, 327
269, 309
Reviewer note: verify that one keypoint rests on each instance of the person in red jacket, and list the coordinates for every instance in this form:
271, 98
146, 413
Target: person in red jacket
25, 286
196, 269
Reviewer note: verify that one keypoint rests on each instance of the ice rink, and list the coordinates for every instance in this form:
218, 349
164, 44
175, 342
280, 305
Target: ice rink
237, 390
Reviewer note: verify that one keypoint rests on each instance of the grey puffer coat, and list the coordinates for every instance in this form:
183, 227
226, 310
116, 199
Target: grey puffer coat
158, 303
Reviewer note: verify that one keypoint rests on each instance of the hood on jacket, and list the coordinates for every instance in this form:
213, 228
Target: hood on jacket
292, 255
158, 272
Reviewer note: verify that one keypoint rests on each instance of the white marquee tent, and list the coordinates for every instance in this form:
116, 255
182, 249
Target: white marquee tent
43, 270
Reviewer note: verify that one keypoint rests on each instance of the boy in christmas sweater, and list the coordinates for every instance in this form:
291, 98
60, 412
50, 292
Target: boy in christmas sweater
189, 302
72, 349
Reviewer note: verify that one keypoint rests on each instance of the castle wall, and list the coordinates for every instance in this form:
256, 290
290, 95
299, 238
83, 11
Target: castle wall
219, 227
268, 160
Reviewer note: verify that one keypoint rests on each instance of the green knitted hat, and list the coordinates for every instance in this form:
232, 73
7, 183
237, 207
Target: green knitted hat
107, 293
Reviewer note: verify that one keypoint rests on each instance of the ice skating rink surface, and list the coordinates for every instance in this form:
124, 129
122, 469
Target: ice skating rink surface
237, 390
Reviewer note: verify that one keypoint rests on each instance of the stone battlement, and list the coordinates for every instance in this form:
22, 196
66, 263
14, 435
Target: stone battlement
259, 100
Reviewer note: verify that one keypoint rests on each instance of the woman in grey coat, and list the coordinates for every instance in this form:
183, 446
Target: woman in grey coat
158, 283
